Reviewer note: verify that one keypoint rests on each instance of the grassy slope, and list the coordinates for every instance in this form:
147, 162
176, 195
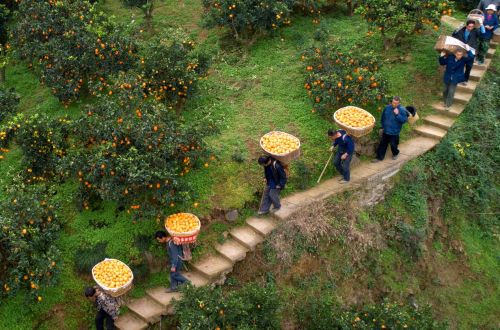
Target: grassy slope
252, 90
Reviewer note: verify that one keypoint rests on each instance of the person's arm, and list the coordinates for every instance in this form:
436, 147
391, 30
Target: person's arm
350, 145
443, 59
382, 123
174, 256
495, 22
482, 29
402, 116
282, 176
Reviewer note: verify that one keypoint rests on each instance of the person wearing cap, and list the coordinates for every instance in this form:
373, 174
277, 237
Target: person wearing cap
393, 117
343, 155
490, 23
108, 307
276, 178
453, 75
483, 4
175, 255
469, 35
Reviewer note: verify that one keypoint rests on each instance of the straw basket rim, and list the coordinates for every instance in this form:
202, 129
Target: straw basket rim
187, 233
114, 292
275, 154
354, 131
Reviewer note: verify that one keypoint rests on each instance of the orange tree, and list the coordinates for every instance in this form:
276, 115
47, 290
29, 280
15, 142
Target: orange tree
335, 78
395, 19
247, 17
9, 100
28, 229
70, 44
132, 150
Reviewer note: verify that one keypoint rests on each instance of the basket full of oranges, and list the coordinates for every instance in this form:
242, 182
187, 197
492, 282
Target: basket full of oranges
113, 276
184, 227
281, 146
355, 121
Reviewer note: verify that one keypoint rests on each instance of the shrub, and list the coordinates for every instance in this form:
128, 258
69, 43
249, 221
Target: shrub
396, 19
29, 226
251, 307
70, 44
87, 257
247, 17
9, 100
335, 79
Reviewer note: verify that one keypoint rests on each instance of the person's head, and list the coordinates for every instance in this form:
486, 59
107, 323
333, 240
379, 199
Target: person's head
161, 236
491, 9
334, 134
459, 54
90, 292
470, 24
396, 101
264, 160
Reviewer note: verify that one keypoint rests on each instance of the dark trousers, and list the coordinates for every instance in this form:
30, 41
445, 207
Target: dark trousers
484, 45
176, 277
449, 93
270, 197
393, 140
343, 166
101, 317
468, 67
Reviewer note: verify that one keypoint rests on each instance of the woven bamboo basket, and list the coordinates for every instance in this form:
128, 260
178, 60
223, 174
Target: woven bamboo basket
354, 131
477, 16
450, 45
115, 292
286, 158
186, 234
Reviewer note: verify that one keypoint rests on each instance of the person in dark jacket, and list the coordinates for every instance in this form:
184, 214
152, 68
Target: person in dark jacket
275, 175
175, 256
108, 307
490, 23
393, 117
471, 36
453, 75
483, 4
345, 152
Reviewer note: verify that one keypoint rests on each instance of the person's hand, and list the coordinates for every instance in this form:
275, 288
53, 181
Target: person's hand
443, 53
278, 187
344, 156
172, 269
115, 318
331, 149
396, 111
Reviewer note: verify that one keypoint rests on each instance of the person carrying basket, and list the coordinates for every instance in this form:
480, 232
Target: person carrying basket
175, 255
490, 23
108, 307
276, 177
471, 36
345, 152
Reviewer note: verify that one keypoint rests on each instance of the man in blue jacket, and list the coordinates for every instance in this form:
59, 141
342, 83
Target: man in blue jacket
344, 154
471, 36
275, 182
175, 256
393, 118
453, 75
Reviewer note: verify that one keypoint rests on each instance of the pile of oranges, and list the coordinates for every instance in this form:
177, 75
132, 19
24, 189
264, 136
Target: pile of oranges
112, 273
279, 143
182, 223
354, 117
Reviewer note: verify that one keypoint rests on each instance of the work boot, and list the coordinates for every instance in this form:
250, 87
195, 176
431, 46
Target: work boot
395, 157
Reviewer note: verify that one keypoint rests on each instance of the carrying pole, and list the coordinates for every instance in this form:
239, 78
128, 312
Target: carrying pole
324, 169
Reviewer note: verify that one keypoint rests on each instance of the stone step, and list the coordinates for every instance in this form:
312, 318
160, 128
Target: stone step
146, 309
431, 131
490, 53
246, 236
263, 226
493, 44
130, 322
440, 121
213, 266
470, 88
454, 111
164, 298
462, 97
483, 66
232, 250
196, 279
476, 75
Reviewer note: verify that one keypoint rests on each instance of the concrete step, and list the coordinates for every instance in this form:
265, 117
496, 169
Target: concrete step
232, 250
196, 278
454, 111
213, 266
246, 236
483, 66
493, 44
440, 121
490, 53
431, 131
470, 88
146, 309
130, 322
164, 298
462, 97
262, 226
476, 75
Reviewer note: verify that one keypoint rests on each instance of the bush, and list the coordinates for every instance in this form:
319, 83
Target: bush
71, 44
29, 226
251, 307
335, 79
247, 17
86, 257
9, 100
396, 19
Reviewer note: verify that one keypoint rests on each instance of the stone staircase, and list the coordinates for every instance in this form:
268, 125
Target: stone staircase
212, 269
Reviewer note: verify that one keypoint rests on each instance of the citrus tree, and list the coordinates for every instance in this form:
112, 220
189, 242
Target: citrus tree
395, 19
335, 78
247, 17
70, 44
